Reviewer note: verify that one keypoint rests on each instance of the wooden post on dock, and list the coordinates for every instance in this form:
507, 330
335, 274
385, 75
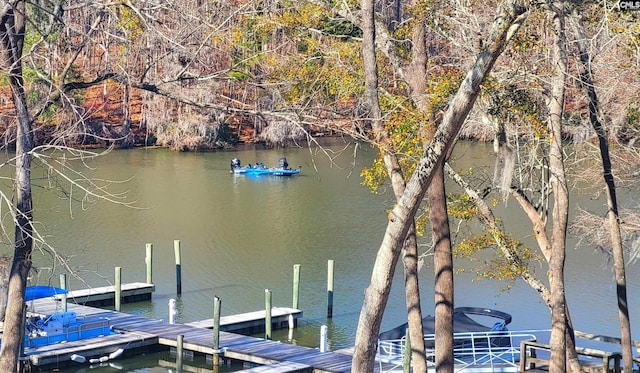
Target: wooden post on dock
296, 284
330, 289
148, 259
173, 311
63, 285
179, 349
176, 248
291, 325
217, 303
118, 290
323, 338
267, 314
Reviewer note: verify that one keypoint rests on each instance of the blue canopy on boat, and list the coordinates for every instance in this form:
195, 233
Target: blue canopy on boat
42, 291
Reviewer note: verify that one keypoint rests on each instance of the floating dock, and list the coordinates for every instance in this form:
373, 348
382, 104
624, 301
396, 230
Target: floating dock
136, 332
253, 322
106, 295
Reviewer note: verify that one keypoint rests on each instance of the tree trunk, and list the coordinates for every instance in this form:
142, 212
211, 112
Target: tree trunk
443, 267
560, 192
12, 35
510, 18
412, 288
613, 216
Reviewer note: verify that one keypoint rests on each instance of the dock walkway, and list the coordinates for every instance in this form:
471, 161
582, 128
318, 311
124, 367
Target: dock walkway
106, 295
136, 332
253, 322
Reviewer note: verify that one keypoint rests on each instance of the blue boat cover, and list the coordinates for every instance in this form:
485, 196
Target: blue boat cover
42, 291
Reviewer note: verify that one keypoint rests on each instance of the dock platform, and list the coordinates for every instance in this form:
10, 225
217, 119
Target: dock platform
106, 295
253, 322
136, 332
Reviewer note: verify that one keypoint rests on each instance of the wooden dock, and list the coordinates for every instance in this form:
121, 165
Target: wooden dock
253, 322
106, 295
136, 332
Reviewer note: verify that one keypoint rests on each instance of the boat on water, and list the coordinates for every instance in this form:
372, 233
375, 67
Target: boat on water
260, 169
462, 322
58, 327
478, 346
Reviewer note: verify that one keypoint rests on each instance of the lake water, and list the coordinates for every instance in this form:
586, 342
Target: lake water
241, 235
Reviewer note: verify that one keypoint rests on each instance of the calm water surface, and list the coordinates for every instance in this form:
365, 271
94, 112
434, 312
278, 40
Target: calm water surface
240, 236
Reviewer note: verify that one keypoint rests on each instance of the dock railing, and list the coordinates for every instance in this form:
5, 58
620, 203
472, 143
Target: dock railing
492, 351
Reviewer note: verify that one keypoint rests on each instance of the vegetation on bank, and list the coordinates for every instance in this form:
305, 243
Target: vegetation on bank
203, 75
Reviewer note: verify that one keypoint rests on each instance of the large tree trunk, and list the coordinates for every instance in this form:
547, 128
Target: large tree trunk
12, 35
613, 217
509, 19
412, 288
443, 267
414, 310
560, 192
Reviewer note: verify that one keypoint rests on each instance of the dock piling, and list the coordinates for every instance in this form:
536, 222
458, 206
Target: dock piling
267, 314
173, 310
296, 284
176, 248
217, 303
118, 289
148, 259
179, 352
330, 267
63, 297
323, 338
291, 322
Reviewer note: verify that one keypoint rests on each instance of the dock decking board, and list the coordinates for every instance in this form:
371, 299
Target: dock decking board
284, 367
105, 295
252, 322
138, 331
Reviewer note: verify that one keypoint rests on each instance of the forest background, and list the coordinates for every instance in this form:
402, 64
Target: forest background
205, 75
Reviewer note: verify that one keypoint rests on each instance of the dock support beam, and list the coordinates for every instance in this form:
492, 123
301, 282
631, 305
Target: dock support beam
148, 259
63, 297
217, 303
330, 289
267, 314
176, 248
296, 284
118, 290
173, 310
179, 352
323, 338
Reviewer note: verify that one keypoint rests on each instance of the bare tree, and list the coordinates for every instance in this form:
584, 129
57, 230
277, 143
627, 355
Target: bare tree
394, 170
558, 181
510, 17
613, 217
12, 32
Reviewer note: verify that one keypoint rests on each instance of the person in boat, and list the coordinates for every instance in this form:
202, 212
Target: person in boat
282, 163
235, 163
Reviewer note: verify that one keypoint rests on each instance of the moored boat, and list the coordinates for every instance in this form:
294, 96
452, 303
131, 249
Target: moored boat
477, 346
58, 327
260, 169
462, 322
